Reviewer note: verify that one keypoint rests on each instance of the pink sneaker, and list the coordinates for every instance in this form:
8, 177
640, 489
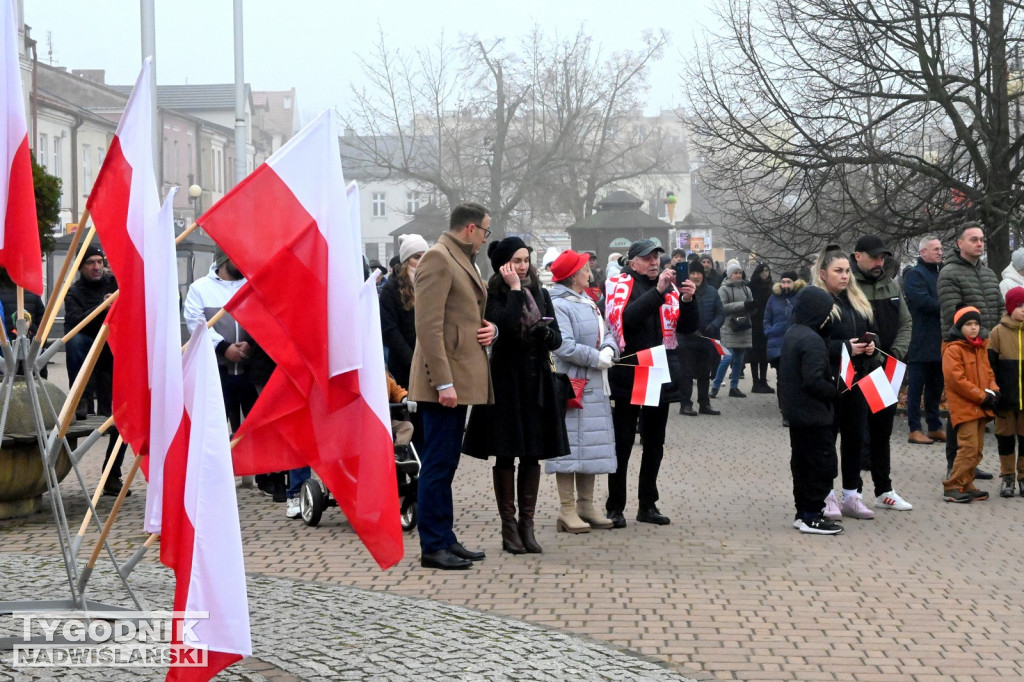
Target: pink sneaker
832, 510
854, 506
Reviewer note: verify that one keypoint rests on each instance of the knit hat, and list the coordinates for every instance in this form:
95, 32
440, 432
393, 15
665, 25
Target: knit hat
695, 266
1017, 259
1014, 299
966, 314
549, 256
733, 267
409, 245
220, 258
502, 252
790, 274
92, 251
568, 264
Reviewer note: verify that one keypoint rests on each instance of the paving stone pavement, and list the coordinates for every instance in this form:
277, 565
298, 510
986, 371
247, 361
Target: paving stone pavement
727, 591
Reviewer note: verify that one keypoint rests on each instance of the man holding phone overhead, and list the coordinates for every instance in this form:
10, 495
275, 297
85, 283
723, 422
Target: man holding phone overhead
893, 321
644, 308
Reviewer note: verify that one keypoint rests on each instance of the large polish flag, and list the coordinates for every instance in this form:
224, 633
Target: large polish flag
138, 236
201, 528
19, 232
877, 390
292, 227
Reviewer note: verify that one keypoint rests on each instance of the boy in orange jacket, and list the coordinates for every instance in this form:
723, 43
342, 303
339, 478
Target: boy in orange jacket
971, 395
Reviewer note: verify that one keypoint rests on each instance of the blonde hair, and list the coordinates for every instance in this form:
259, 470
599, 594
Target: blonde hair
858, 301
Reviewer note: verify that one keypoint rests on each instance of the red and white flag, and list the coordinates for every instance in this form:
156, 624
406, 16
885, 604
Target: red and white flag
846, 371
201, 528
719, 348
647, 383
19, 232
877, 390
652, 357
304, 304
894, 371
138, 236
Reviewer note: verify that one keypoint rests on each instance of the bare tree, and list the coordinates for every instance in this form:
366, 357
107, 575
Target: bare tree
820, 119
538, 129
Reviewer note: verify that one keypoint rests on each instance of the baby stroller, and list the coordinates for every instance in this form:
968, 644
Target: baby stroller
314, 498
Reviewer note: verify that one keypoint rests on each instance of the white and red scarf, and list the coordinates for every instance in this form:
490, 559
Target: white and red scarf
617, 292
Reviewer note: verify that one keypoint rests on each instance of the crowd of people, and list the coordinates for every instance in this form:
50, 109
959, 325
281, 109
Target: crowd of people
537, 369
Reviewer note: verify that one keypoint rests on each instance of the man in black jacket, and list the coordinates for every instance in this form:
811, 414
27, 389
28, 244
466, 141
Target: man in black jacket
697, 356
93, 286
645, 308
807, 391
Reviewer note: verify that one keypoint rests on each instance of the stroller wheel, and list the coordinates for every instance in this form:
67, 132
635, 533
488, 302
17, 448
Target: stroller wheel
312, 502
409, 509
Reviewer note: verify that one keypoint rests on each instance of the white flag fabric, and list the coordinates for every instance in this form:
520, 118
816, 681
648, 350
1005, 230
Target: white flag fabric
877, 390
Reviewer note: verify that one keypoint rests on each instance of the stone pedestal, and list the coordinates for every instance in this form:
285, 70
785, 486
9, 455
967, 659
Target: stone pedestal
22, 482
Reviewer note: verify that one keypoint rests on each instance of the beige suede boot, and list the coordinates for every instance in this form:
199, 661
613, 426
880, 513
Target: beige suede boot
568, 521
585, 503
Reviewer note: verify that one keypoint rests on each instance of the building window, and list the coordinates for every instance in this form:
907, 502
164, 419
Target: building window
41, 157
58, 157
99, 157
379, 204
87, 168
191, 163
412, 202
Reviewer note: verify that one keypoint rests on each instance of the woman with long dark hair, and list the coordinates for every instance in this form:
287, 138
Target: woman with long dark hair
761, 287
398, 308
526, 421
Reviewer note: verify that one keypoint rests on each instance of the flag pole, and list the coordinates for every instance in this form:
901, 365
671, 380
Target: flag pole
76, 238
57, 298
96, 496
114, 511
21, 302
67, 411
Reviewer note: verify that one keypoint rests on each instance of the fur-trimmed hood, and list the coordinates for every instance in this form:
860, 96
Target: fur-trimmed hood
797, 286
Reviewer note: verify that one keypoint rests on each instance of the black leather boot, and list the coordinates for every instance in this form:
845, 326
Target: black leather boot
529, 484
505, 495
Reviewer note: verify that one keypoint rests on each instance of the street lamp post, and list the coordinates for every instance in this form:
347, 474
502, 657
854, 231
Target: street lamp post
195, 196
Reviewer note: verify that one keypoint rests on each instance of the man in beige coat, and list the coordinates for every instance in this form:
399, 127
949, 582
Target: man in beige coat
449, 372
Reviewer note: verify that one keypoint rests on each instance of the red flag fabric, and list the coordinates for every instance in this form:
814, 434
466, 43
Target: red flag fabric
202, 540
894, 372
306, 305
19, 233
719, 348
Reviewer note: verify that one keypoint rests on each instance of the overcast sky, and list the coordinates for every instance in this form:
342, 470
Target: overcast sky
313, 44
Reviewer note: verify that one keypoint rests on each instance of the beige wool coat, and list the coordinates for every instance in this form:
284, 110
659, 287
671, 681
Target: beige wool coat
450, 303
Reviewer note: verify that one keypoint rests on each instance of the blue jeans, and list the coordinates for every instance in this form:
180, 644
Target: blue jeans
296, 477
442, 446
736, 360
926, 378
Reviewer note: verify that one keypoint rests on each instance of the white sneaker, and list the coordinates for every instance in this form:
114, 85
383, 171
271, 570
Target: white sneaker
293, 510
891, 500
854, 507
832, 510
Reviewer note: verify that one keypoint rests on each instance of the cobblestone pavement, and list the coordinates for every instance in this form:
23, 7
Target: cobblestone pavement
727, 591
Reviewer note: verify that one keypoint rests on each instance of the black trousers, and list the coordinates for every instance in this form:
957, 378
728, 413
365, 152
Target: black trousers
624, 421
814, 464
697, 364
853, 419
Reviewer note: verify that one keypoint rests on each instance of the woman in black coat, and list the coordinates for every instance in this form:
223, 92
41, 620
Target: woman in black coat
761, 287
527, 419
398, 308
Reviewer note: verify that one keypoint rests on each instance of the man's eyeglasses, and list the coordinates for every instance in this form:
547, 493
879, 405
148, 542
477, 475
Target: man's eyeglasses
487, 233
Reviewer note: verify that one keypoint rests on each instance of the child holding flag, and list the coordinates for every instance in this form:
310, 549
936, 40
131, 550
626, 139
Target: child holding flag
971, 394
1005, 355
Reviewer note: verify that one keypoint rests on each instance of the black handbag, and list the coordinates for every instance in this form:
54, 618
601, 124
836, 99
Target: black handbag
740, 323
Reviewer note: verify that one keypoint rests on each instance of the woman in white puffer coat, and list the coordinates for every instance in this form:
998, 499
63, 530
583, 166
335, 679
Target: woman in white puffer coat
586, 352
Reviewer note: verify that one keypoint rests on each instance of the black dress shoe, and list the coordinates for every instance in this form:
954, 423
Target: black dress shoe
652, 515
983, 475
688, 411
707, 409
112, 488
444, 560
458, 550
617, 519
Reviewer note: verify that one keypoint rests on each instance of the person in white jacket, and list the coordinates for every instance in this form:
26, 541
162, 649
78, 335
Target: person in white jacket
1013, 274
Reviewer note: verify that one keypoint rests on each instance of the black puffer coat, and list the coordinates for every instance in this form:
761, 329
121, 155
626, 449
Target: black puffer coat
807, 386
398, 329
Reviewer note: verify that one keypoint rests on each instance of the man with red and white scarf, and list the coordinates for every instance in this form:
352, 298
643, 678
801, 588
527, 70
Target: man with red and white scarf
644, 307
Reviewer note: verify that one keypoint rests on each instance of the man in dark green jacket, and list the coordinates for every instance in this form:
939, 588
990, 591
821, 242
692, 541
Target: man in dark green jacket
892, 319
965, 280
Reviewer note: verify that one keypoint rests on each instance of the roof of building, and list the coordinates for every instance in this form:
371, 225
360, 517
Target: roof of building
619, 210
193, 97
429, 221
